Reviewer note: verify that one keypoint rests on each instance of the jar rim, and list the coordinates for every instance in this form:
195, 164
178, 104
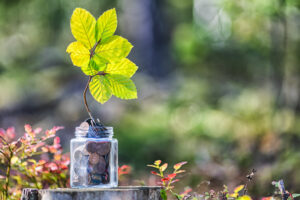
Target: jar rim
94, 132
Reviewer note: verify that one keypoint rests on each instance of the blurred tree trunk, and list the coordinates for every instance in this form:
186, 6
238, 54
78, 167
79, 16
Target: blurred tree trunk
147, 27
285, 59
278, 35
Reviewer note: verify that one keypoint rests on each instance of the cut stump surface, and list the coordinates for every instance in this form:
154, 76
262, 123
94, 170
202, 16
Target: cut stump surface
118, 193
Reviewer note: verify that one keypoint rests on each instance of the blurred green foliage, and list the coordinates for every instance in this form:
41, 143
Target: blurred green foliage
218, 83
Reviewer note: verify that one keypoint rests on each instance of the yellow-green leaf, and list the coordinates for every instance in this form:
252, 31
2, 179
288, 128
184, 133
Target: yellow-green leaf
121, 86
97, 49
83, 27
79, 54
100, 63
238, 188
124, 67
89, 70
114, 48
14, 160
96, 64
234, 195
99, 88
245, 197
106, 24
152, 166
164, 167
157, 162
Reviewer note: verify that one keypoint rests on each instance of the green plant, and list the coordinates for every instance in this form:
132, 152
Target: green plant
239, 192
281, 192
101, 55
167, 181
123, 170
19, 165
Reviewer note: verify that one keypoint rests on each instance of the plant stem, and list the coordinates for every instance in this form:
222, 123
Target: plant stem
245, 188
162, 176
8, 175
36, 182
92, 51
5, 156
84, 99
101, 73
3, 140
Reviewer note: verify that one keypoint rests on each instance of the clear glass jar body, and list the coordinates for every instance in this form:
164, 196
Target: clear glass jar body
94, 161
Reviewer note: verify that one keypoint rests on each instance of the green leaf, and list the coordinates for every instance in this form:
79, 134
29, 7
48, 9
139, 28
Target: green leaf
106, 24
114, 48
97, 49
239, 188
178, 197
295, 195
96, 65
244, 197
80, 55
32, 161
83, 27
152, 166
164, 167
63, 175
99, 88
18, 179
121, 86
163, 194
100, 63
125, 67
89, 70
157, 162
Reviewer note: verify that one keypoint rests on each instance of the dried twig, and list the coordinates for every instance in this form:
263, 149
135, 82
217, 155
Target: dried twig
249, 177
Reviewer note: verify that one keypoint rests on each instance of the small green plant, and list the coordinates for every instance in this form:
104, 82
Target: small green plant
101, 55
29, 162
167, 181
281, 193
239, 192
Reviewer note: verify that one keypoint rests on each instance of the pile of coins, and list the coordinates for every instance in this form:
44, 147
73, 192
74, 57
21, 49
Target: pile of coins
91, 163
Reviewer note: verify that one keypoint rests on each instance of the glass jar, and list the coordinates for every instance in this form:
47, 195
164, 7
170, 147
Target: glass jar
94, 157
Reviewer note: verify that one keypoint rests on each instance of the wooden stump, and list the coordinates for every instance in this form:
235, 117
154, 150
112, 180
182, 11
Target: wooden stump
118, 193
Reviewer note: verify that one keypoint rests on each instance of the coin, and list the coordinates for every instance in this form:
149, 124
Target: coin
84, 126
82, 130
94, 158
103, 148
84, 151
78, 154
91, 147
105, 177
95, 179
106, 158
100, 167
80, 151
